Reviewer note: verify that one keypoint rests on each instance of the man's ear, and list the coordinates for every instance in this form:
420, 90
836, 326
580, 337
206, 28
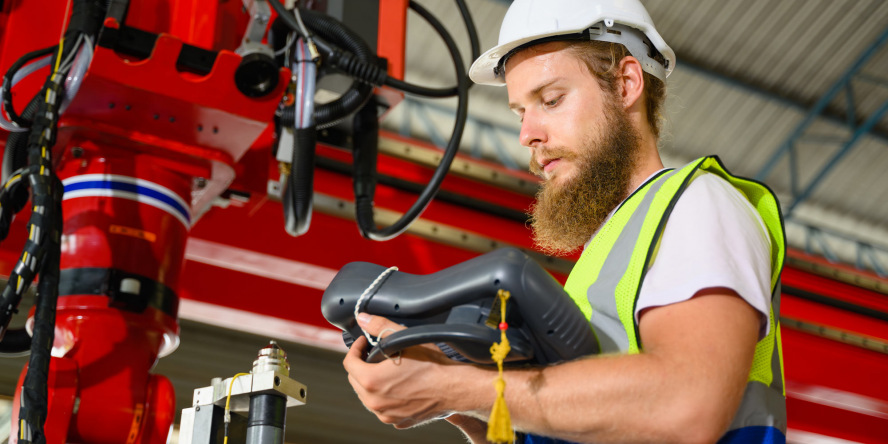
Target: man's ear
631, 81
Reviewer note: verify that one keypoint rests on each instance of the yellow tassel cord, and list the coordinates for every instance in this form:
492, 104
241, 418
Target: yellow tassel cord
499, 426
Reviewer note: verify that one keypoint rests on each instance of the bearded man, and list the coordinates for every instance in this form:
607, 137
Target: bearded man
679, 272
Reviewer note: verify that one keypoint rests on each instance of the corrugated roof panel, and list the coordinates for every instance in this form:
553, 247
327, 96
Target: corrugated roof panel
855, 184
800, 41
678, 14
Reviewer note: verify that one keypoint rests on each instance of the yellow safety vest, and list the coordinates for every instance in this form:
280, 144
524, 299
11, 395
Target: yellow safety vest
606, 280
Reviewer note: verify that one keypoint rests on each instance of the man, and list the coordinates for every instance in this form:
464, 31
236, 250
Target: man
679, 271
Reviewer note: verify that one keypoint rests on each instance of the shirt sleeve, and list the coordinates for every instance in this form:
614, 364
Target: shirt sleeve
713, 238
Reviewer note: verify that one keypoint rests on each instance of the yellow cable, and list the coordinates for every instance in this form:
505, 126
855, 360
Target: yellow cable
59, 57
57, 63
12, 180
228, 403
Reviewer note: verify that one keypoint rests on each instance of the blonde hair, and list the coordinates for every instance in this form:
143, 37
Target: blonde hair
602, 59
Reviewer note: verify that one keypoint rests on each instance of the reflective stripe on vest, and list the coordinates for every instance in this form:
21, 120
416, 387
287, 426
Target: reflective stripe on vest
606, 281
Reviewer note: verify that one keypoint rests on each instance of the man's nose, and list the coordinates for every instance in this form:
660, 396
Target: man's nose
533, 131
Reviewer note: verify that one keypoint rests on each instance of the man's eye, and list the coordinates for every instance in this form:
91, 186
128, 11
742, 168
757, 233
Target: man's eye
553, 102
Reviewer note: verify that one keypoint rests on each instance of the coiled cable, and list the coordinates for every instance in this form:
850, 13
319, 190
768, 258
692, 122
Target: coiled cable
364, 194
367, 71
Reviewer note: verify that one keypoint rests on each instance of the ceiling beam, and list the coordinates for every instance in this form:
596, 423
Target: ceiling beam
832, 113
820, 108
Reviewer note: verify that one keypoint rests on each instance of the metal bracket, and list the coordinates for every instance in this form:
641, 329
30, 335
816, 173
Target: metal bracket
260, 15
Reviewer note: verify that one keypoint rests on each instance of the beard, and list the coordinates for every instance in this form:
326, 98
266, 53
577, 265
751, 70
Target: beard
568, 212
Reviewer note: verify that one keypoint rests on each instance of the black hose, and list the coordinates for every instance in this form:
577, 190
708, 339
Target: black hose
41, 224
41, 255
331, 113
12, 199
357, 57
364, 207
374, 74
87, 17
34, 394
358, 60
42, 251
475, 46
287, 116
15, 155
117, 9
15, 342
420, 90
7, 84
357, 95
364, 143
298, 195
474, 43
365, 148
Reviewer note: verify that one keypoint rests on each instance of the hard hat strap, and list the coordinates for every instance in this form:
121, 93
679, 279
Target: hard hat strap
635, 41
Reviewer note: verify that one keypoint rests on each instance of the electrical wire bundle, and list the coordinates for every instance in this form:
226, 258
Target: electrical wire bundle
27, 165
42, 249
339, 49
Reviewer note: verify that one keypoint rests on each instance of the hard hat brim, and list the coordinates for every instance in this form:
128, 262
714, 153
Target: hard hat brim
483, 70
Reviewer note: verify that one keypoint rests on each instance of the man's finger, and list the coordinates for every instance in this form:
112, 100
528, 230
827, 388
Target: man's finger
375, 325
355, 354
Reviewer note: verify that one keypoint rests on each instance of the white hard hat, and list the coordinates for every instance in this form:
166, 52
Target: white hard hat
618, 21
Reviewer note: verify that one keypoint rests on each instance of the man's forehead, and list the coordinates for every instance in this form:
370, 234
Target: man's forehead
542, 66
541, 49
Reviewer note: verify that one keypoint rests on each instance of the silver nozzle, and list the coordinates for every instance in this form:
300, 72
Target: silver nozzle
272, 357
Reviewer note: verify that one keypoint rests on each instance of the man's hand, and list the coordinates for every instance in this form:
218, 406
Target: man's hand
690, 377
406, 390
473, 428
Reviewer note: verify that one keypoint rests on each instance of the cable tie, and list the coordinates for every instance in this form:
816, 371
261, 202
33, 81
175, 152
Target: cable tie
365, 294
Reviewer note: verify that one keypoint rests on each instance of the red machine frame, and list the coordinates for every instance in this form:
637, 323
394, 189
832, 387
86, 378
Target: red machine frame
169, 129
143, 149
